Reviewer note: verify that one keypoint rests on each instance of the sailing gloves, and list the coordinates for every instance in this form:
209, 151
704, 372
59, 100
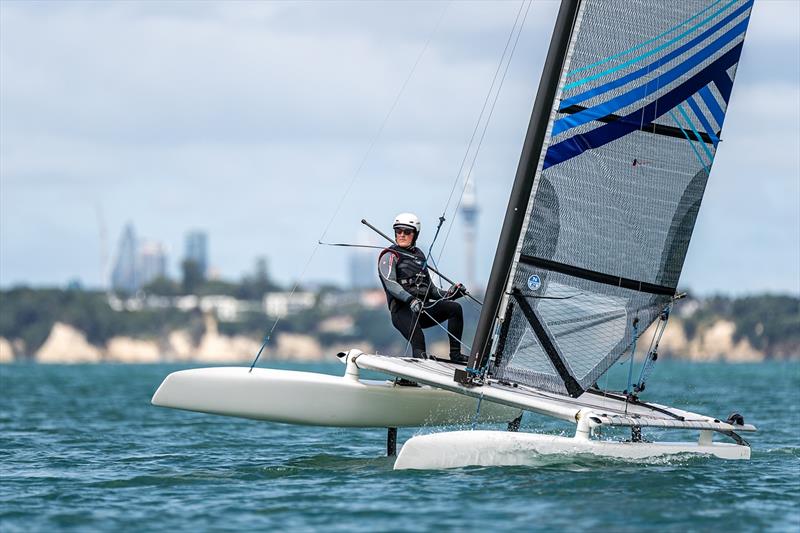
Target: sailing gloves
456, 291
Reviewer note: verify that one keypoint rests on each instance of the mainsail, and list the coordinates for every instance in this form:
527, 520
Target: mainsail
626, 139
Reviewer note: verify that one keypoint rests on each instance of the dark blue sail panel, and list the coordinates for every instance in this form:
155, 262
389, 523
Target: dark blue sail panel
649, 86
642, 118
633, 132
713, 106
703, 120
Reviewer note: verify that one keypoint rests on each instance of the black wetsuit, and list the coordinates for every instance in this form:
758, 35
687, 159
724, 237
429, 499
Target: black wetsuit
405, 277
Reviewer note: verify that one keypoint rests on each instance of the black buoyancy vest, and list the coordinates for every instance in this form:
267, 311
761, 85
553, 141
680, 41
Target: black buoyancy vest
411, 272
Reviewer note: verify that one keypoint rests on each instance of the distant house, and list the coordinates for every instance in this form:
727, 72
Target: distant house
227, 308
373, 299
187, 302
688, 308
341, 324
286, 303
337, 300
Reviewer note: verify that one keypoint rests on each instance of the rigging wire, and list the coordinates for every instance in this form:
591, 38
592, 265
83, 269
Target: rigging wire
629, 389
488, 119
480, 115
514, 29
480, 143
357, 172
652, 352
462, 343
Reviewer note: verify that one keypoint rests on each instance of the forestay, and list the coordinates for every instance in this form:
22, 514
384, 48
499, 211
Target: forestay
630, 142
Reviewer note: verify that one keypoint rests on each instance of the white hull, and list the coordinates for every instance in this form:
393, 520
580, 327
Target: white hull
319, 400
456, 449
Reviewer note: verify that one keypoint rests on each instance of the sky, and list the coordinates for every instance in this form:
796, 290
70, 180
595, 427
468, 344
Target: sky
264, 124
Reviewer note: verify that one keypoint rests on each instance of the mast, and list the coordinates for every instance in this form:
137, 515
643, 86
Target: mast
523, 182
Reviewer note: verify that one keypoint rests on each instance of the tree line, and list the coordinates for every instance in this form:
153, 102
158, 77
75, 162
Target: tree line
771, 323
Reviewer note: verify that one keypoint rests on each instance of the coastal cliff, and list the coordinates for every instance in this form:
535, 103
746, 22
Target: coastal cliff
68, 326
6, 351
715, 341
66, 344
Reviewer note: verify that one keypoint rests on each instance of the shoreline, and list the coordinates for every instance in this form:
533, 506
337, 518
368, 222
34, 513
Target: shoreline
65, 344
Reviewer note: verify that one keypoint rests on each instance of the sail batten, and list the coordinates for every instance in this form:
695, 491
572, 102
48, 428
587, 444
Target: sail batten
707, 136
599, 277
616, 188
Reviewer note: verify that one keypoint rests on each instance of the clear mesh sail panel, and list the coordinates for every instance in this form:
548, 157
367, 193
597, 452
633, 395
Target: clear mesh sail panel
591, 326
631, 140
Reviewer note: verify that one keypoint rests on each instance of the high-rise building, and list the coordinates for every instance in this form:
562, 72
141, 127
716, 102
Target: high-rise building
469, 210
197, 250
125, 277
362, 263
262, 270
152, 262
363, 269
137, 263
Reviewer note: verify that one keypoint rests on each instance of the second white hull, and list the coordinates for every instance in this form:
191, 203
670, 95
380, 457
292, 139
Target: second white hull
454, 449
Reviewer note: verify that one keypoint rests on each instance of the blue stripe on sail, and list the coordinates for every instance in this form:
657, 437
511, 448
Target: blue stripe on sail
713, 106
703, 120
696, 133
639, 46
696, 153
577, 144
634, 95
724, 84
619, 82
587, 79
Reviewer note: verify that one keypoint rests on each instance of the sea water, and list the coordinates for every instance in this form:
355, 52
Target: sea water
81, 448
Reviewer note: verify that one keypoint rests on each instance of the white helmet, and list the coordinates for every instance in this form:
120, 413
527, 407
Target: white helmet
407, 220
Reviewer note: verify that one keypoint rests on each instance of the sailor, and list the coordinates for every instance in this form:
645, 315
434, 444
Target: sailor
414, 301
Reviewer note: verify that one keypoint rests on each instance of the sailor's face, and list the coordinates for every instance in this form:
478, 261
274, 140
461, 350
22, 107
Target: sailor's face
403, 237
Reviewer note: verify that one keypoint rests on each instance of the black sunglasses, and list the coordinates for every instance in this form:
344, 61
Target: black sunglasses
403, 231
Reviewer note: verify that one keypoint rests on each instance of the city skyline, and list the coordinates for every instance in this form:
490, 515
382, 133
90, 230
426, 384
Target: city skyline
249, 120
137, 261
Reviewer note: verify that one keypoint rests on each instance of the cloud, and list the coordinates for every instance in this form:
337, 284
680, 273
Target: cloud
249, 119
137, 74
775, 22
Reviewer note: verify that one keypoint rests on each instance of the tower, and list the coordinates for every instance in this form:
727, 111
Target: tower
197, 250
469, 210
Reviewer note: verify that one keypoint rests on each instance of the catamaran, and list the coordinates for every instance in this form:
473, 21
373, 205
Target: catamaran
624, 130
